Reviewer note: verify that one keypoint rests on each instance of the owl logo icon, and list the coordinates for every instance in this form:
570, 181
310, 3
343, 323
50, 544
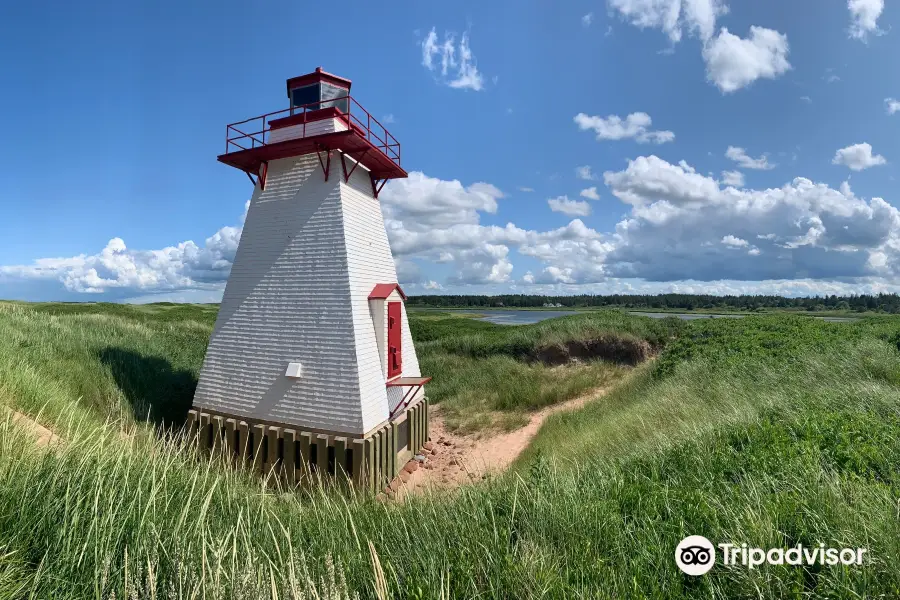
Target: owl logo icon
695, 555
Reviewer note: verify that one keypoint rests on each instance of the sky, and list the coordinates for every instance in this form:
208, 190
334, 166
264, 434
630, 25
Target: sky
625, 146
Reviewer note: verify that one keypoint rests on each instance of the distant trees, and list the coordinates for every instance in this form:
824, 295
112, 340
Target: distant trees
889, 303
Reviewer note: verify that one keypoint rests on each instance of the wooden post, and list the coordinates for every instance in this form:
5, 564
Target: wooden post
204, 431
290, 438
423, 436
395, 436
359, 462
273, 435
374, 470
419, 441
370, 463
305, 444
382, 453
426, 413
340, 459
259, 442
412, 415
388, 455
193, 422
322, 455
218, 425
243, 441
229, 447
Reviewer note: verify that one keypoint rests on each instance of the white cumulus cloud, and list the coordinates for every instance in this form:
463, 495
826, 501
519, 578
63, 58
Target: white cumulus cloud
733, 62
119, 268
864, 17
590, 193
683, 232
745, 161
635, 126
734, 178
858, 157
673, 17
438, 221
684, 226
891, 105
426, 202
735, 242
573, 208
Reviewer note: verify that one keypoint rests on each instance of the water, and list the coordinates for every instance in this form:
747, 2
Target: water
527, 317
519, 317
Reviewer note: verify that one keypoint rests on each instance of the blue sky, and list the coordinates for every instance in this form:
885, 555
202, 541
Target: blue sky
730, 147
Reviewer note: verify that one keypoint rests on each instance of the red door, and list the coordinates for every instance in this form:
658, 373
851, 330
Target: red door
394, 355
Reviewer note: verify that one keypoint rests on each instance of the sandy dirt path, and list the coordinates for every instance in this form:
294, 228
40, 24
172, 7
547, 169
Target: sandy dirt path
43, 437
459, 459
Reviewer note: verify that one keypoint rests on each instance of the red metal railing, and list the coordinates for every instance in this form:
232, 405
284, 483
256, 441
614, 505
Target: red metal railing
254, 132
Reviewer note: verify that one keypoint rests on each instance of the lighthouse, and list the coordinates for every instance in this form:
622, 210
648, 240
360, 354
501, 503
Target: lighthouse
311, 367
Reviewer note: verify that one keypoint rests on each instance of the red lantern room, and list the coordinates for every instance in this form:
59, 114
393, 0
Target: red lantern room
322, 116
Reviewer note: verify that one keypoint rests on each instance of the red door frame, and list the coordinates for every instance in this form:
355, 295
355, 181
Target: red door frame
394, 349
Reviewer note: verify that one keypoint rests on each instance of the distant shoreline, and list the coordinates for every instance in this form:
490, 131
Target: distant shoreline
680, 311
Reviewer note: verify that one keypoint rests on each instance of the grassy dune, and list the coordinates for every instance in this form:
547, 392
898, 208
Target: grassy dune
489, 376
770, 430
103, 361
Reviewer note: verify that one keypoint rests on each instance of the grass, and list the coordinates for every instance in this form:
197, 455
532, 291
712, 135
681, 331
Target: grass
133, 362
720, 372
102, 361
484, 394
485, 378
771, 430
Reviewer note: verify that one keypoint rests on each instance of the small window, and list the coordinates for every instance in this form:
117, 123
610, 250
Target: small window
306, 95
332, 91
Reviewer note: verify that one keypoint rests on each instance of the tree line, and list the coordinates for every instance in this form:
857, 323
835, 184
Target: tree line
889, 303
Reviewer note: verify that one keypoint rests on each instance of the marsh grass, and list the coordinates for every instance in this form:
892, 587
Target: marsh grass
487, 376
772, 433
500, 392
104, 361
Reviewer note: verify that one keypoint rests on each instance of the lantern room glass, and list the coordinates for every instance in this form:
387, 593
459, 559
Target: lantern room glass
319, 95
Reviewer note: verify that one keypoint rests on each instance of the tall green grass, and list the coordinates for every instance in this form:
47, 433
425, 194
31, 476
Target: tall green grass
476, 339
106, 361
143, 361
768, 441
485, 375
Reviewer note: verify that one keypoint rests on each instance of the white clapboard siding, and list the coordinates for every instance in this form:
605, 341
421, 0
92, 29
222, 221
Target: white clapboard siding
288, 300
369, 265
310, 253
369, 262
320, 127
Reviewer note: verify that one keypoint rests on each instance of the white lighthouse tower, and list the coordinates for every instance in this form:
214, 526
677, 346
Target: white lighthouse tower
311, 365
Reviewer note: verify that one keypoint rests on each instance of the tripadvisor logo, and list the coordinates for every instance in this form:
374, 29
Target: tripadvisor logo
695, 555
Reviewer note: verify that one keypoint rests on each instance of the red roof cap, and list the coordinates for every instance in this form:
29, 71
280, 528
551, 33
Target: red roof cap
315, 77
383, 290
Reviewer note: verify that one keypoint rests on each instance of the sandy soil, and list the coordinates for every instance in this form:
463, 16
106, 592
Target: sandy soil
457, 459
43, 437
